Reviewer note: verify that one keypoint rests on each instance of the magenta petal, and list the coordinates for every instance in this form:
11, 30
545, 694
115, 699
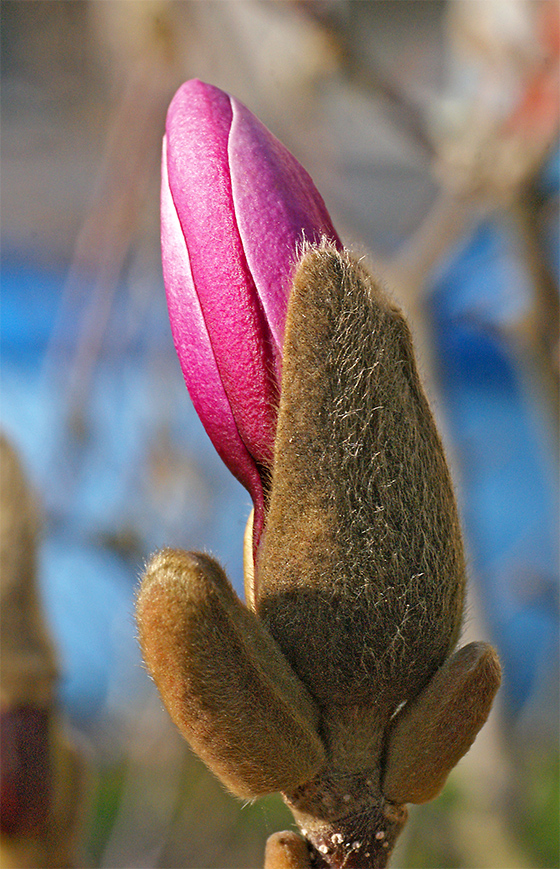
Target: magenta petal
195, 353
236, 209
198, 126
277, 207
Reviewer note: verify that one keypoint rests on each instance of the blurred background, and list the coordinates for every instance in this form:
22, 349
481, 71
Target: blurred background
431, 129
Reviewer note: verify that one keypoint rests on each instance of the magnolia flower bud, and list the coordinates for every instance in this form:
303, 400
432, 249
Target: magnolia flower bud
338, 683
236, 208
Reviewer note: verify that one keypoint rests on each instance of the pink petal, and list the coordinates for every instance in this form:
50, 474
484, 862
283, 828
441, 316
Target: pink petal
277, 207
198, 126
195, 352
236, 208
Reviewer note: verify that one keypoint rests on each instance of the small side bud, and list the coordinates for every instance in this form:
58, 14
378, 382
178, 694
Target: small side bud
286, 850
434, 731
223, 679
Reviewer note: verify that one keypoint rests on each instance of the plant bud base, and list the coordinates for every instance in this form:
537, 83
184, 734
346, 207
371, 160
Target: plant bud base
362, 548
342, 824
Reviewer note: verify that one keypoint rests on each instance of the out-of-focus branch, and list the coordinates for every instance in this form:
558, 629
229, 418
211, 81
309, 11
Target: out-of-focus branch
487, 166
131, 163
42, 775
540, 331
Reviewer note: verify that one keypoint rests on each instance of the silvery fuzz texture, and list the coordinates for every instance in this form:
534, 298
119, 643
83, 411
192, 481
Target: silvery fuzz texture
338, 685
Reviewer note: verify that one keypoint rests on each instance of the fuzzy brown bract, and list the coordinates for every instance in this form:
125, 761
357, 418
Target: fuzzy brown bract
338, 684
226, 684
363, 539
